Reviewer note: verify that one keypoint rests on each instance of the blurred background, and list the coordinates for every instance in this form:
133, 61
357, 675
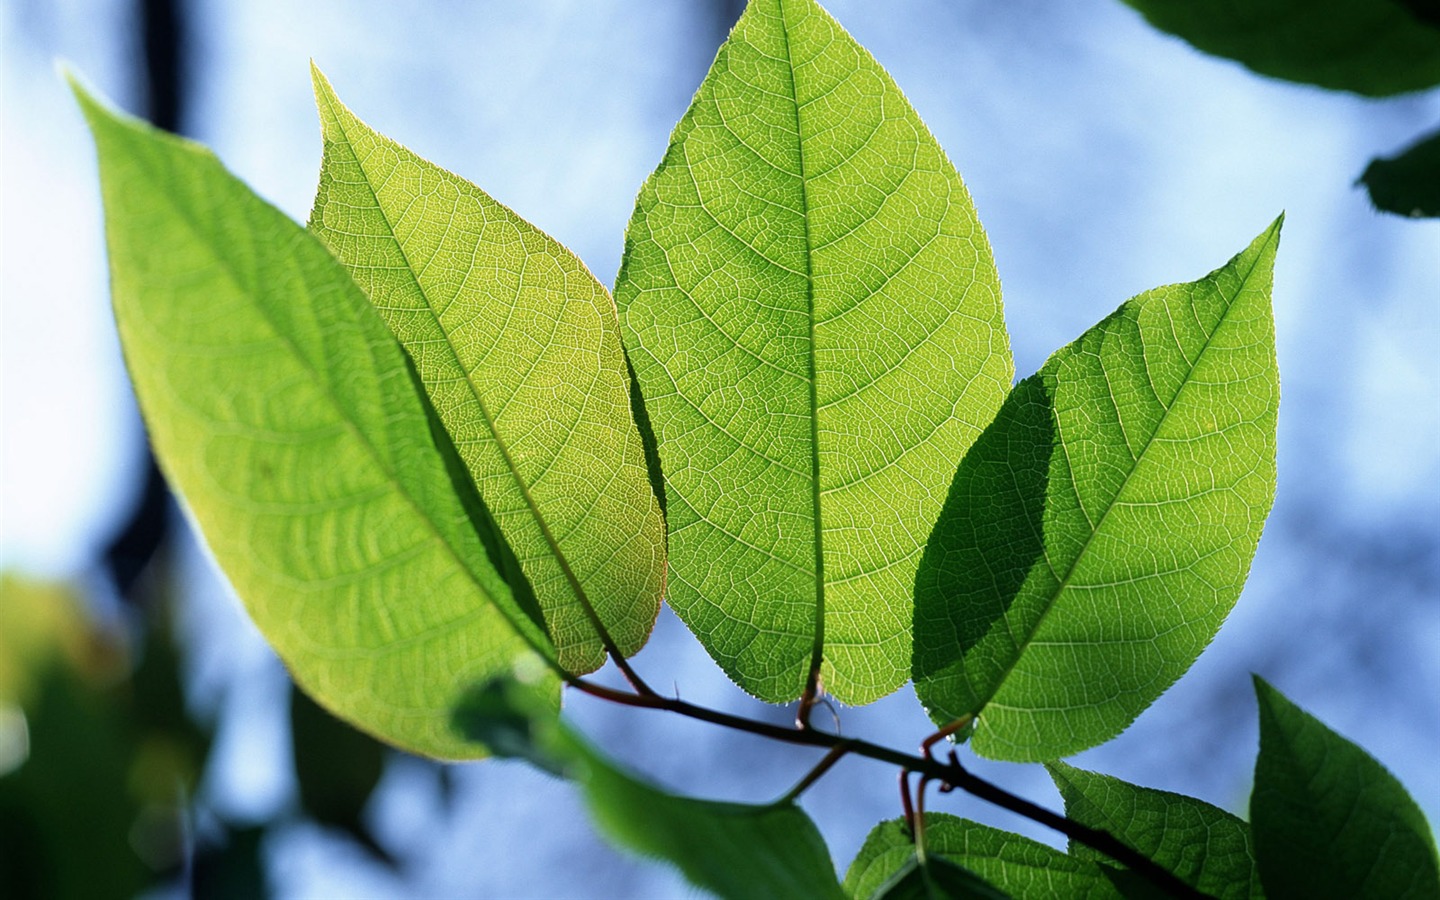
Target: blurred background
160, 753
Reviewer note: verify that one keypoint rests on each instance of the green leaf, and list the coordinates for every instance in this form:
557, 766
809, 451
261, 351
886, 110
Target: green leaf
336, 770
287, 415
1098, 533
734, 850
814, 316
1329, 820
1011, 863
935, 878
1203, 845
1407, 184
519, 349
1371, 47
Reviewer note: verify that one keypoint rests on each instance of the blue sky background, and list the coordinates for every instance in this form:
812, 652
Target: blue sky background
1104, 159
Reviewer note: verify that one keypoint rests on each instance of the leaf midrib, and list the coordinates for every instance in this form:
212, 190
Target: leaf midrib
818, 646
233, 277
1090, 539
579, 591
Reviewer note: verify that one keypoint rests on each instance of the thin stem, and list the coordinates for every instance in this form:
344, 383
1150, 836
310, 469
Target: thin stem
907, 805
954, 726
623, 664
814, 774
917, 831
951, 773
809, 697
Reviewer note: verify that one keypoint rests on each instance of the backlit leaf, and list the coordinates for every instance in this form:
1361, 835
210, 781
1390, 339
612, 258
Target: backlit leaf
1098, 533
814, 316
1206, 847
1015, 865
519, 349
287, 416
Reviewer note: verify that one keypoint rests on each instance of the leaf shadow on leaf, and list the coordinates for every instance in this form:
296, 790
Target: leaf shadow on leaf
648, 442
497, 548
989, 536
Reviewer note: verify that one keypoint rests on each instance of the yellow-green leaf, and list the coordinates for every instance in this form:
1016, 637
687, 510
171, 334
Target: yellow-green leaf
289, 419
519, 348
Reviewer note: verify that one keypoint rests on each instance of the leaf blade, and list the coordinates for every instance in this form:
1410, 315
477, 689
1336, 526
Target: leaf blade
1098, 533
1329, 819
1204, 846
1020, 867
812, 310
1408, 183
1371, 47
288, 418
736, 850
543, 425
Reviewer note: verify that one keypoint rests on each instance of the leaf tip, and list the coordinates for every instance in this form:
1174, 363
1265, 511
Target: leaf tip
326, 101
1270, 237
1266, 695
318, 80
87, 97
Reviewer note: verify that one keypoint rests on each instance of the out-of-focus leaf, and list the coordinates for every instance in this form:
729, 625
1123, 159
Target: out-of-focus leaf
735, 850
1013, 864
1371, 47
1329, 820
1100, 530
519, 349
294, 426
1427, 11
336, 770
814, 316
1408, 183
95, 806
232, 870
1206, 847
40, 623
67, 813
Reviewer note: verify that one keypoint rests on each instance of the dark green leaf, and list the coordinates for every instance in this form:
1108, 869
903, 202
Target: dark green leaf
336, 769
1407, 184
1329, 820
736, 850
1372, 47
1203, 845
231, 867
935, 878
1011, 863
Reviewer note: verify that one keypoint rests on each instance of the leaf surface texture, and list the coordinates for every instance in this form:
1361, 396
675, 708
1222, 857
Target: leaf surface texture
287, 416
814, 316
1016, 865
519, 349
1100, 530
1203, 845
